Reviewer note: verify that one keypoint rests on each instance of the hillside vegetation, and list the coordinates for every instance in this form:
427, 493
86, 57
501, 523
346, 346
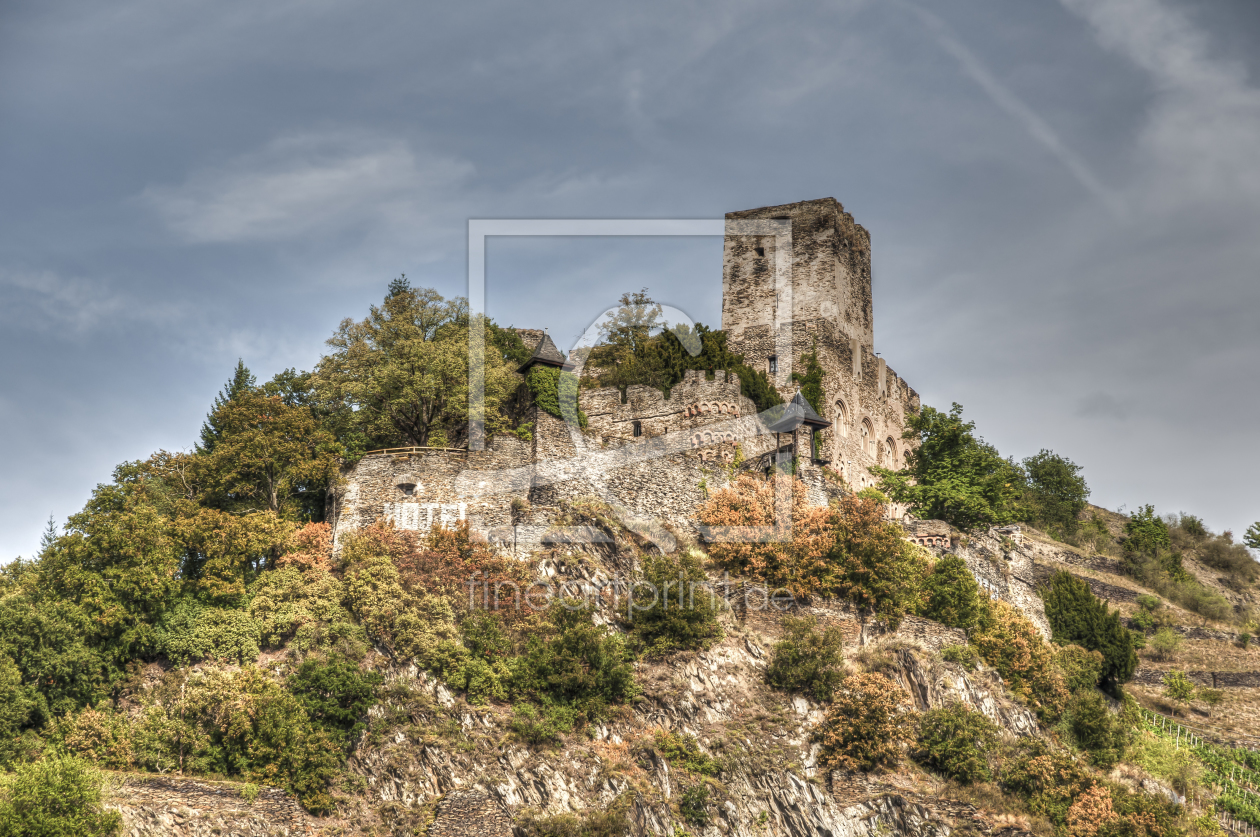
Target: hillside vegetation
192, 620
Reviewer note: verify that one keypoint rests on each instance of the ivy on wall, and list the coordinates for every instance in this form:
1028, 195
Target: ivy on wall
555, 391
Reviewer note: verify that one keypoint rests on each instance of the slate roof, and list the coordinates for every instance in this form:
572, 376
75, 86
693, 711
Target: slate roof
795, 413
546, 354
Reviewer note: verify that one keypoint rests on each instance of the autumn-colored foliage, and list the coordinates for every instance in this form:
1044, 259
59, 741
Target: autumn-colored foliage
1090, 812
308, 547
848, 550
866, 725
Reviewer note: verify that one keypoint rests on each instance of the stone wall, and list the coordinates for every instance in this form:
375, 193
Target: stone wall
169, 806
1207, 679
470, 813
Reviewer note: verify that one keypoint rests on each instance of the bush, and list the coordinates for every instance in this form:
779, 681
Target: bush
57, 796
956, 740
612, 822
1231, 558
336, 695
1145, 533
866, 725
693, 804
16, 705
1096, 730
575, 663
806, 661
1082, 668
683, 751
194, 632
951, 595
1050, 781
1077, 616
1165, 644
304, 609
963, 655
1178, 688
101, 737
1011, 644
541, 725
683, 612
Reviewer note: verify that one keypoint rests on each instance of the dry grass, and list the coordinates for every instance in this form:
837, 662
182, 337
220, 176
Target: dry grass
1206, 655
1237, 719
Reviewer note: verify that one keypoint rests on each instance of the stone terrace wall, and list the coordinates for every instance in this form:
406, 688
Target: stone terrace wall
162, 806
691, 404
470, 813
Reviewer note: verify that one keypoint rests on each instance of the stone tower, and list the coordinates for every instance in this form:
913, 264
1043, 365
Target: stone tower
831, 271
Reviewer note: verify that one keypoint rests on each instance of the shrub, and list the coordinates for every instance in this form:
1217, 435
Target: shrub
1090, 812
304, 609
1212, 697
683, 612
956, 740
1244, 640
57, 796
541, 725
1230, 558
806, 661
1165, 644
1081, 667
101, 737
1178, 688
683, 751
963, 655
1096, 729
693, 804
612, 822
951, 594
336, 695
575, 663
866, 725
194, 632
1048, 780
1145, 532
1011, 644
1077, 616
16, 705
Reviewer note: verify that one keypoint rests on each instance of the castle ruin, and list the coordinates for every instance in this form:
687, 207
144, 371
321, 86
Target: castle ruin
654, 456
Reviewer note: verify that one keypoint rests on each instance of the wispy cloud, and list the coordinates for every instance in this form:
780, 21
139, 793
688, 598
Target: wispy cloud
308, 184
1202, 137
46, 300
1004, 98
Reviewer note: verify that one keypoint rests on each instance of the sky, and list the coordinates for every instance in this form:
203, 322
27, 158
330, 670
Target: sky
1063, 200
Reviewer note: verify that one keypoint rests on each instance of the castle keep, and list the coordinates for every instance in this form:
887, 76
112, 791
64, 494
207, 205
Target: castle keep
653, 456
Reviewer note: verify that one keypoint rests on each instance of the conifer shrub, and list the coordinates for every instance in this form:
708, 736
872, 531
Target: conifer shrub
693, 804
957, 741
807, 661
1077, 616
57, 796
867, 724
682, 614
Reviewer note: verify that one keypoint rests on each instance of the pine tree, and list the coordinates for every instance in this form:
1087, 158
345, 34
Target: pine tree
398, 287
49, 538
242, 380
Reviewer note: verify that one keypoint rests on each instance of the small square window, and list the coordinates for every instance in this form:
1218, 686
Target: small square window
774, 365
760, 251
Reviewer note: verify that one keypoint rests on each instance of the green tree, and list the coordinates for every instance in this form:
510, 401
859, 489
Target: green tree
1078, 617
1252, 538
1096, 729
267, 455
336, 695
951, 595
1145, 532
242, 381
953, 475
57, 796
1178, 688
403, 371
956, 740
1057, 493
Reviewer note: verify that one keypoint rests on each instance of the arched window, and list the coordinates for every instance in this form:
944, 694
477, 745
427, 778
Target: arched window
892, 452
842, 419
868, 438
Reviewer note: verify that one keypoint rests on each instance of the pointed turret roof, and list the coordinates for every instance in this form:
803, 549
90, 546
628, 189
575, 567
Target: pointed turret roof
545, 354
795, 413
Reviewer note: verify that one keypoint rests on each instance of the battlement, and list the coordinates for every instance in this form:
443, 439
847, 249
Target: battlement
692, 402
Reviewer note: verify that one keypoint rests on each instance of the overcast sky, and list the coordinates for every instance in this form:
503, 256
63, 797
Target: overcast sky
1063, 200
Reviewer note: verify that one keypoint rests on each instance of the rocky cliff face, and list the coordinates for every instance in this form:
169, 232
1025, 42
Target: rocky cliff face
425, 743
